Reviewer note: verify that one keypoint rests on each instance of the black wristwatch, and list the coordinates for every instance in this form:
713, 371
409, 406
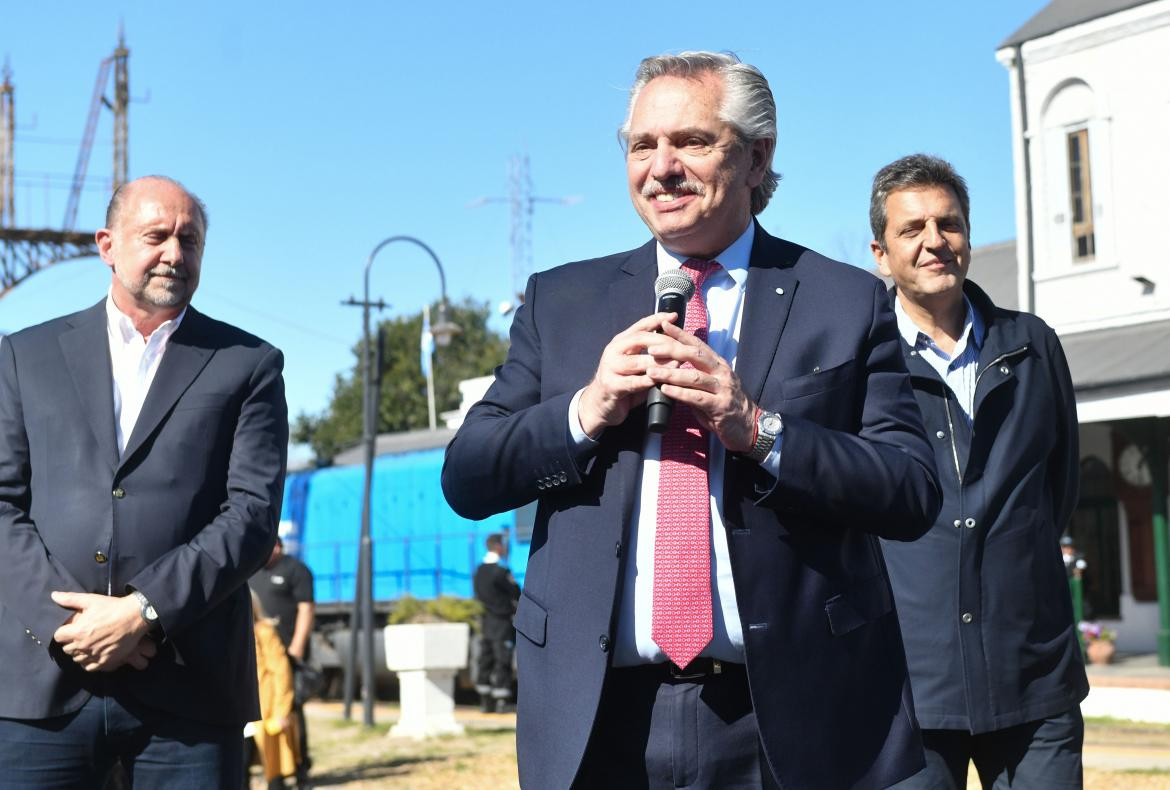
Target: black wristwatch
768, 427
147, 611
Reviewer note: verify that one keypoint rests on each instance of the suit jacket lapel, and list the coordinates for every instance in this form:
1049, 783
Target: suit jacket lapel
182, 362
86, 349
771, 287
631, 296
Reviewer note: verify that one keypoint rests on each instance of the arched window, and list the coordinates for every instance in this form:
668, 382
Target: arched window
1073, 146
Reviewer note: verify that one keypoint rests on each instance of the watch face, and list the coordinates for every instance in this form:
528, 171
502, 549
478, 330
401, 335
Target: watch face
771, 423
150, 613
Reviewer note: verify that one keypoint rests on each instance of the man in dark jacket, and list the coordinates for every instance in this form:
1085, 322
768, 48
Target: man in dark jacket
982, 598
498, 592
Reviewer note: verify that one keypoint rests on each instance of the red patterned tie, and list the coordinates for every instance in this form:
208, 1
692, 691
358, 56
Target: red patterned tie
681, 615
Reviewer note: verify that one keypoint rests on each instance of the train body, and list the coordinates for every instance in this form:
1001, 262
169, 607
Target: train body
422, 548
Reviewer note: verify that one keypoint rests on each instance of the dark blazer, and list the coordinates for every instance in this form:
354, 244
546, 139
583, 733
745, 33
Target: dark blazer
1009, 488
186, 516
824, 657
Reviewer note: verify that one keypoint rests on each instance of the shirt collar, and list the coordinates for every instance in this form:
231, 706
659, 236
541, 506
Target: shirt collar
491, 558
734, 259
121, 327
972, 334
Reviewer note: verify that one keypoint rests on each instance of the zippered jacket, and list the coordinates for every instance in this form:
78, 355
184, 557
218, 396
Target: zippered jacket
983, 597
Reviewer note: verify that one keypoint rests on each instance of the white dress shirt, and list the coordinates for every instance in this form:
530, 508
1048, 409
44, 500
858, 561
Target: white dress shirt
134, 361
723, 293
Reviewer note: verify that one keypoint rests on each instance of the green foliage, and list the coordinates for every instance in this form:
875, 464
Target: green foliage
403, 403
444, 609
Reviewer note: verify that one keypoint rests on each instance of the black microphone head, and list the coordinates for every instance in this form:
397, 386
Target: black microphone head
674, 283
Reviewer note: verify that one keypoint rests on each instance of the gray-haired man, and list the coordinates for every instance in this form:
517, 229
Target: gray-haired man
705, 607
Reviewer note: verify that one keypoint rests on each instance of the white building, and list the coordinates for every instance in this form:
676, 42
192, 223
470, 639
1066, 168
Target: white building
1090, 97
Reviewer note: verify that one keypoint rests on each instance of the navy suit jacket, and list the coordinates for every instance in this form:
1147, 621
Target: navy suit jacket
186, 515
818, 344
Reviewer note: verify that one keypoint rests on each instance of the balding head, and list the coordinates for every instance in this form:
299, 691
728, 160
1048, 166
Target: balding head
118, 199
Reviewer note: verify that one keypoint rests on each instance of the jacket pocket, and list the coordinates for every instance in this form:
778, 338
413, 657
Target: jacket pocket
531, 620
811, 384
865, 602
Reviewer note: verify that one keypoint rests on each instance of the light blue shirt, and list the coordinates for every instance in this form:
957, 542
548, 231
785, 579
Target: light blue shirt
723, 293
959, 370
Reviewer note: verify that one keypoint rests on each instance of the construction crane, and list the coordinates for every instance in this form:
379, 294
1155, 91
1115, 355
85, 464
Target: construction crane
25, 251
522, 202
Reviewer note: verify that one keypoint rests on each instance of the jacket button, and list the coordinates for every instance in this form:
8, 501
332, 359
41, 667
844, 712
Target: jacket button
119, 492
100, 558
940, 435
1004, 369
958, 523
967, 617
913, 353
603, 643
617, 549
969, 523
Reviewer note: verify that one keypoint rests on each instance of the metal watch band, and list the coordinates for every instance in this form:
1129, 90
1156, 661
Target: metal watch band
765, 439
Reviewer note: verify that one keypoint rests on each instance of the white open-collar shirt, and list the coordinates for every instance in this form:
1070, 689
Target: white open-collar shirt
134, 361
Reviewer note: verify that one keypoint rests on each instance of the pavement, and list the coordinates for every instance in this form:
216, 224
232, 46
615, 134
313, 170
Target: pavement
1133, 688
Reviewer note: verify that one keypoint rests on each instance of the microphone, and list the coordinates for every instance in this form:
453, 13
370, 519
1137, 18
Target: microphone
673, 289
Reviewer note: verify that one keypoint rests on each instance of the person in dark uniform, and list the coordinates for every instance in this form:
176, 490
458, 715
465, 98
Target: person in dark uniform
285, 588
498, 592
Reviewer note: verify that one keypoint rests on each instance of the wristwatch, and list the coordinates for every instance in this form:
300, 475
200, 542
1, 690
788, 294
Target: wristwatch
768, 427
147, 610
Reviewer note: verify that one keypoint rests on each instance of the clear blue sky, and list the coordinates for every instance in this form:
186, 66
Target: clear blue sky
313, 131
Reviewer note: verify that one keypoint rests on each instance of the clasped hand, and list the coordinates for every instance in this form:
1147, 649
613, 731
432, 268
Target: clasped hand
103, 633
686, 369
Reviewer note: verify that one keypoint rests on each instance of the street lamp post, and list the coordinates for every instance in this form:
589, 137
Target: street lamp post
363, 614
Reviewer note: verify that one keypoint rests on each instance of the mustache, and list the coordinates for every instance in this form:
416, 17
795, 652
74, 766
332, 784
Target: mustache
653, 187
168, 271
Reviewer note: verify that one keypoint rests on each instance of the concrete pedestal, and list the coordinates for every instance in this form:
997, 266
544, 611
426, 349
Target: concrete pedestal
426, 657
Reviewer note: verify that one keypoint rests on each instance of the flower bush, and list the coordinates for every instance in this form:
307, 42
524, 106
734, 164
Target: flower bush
1091, 631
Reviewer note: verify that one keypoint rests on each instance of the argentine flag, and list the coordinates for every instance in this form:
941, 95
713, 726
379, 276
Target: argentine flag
426, 344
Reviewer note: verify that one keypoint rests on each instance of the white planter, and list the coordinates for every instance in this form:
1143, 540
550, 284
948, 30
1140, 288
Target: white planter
426, 657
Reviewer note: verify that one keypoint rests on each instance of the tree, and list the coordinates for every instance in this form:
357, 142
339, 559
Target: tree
403, 403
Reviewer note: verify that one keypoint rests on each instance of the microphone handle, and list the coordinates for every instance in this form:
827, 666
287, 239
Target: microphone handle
658, 405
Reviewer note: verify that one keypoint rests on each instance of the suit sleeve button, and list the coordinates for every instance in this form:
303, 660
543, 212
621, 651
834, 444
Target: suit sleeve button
603, 643
967, 617
940, 434
100, 558
119, 493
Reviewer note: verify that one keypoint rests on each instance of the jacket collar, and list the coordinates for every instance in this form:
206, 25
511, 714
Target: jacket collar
1002, 332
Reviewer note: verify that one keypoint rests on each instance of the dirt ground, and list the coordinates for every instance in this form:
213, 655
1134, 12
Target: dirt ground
1118, 755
